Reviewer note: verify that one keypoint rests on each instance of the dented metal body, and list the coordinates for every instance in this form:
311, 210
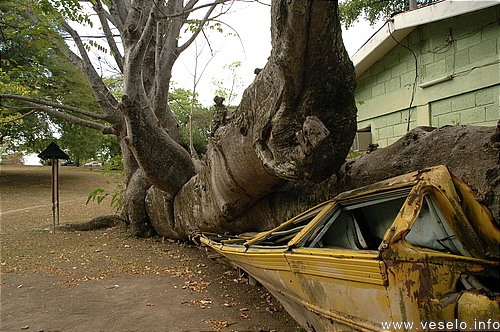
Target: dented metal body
415, 248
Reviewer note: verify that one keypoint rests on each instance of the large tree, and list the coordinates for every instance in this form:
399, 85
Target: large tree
285, 127
292, 129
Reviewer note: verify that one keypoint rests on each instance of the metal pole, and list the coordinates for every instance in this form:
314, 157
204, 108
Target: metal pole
54, 200
57, 190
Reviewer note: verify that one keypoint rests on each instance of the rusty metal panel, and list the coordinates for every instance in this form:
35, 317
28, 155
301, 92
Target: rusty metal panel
316, 262
474, 307
437, 259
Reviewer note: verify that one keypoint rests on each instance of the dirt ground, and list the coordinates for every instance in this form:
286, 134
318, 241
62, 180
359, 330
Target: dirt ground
107, 280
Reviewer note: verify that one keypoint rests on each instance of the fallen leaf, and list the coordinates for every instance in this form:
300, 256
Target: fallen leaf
218, 325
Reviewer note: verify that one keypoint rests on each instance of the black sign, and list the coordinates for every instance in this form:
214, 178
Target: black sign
53, 151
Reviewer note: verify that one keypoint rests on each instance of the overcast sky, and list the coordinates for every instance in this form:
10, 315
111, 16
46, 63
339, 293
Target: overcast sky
252, 23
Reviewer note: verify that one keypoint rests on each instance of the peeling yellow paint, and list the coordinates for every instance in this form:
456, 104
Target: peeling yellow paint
353, 263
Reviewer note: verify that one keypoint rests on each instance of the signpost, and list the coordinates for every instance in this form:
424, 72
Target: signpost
54, 152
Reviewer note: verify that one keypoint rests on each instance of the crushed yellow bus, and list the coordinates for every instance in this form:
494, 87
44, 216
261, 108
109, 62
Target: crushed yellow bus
416, 249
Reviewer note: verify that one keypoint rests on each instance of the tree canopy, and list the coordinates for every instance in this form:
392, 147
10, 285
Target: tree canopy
351, 11
32, 66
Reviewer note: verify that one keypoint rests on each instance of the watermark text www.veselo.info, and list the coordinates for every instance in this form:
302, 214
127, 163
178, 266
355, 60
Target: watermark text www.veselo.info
453, 325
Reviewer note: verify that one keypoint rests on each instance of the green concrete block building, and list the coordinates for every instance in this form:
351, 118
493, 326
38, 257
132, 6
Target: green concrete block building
432, 66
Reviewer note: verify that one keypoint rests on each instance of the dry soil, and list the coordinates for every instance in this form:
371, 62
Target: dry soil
108, 280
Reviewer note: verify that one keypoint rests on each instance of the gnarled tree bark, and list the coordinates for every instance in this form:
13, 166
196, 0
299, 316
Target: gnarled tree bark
296, 121
472, 153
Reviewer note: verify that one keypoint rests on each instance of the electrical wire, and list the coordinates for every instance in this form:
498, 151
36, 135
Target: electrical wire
466, 72
414, 87
441, 49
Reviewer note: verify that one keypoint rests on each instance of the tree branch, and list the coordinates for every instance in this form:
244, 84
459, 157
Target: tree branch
187, 11
137, 53
199, 29
18, 118
118, 12
111, 15
108, 34
71, 118
54, 105
102, 94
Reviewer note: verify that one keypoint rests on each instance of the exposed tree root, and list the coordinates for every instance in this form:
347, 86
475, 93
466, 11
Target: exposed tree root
96, 223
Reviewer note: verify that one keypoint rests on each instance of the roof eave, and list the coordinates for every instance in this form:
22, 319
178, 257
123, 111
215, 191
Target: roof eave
401, 25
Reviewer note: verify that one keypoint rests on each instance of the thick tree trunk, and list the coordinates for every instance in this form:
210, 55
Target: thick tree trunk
165, 163
135, 194
281, 152
472, 153
160, 209
151, 134
284, 149
296, 121
135, 205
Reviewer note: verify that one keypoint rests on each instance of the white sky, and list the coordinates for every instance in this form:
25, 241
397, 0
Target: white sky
252, 22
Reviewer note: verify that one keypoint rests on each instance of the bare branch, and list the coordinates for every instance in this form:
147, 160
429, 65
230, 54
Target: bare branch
141, 45
112, 17
235, 32
118, 10
71, 118
35, 101
190, 10
199, 29
190, 4
108, 34
92, 37
101, 92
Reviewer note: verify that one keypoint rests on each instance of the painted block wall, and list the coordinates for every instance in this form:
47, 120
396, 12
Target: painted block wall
465, 47
388, 128
480, 107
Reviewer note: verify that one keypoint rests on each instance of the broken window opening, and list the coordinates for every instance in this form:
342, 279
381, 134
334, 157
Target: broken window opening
281, 236
430, 230
359, 223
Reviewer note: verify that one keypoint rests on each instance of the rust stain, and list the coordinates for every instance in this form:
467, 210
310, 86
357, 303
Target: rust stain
424, 291
409, 285
410, 277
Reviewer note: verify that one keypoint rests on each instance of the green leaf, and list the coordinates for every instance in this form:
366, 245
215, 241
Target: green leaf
97, 195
